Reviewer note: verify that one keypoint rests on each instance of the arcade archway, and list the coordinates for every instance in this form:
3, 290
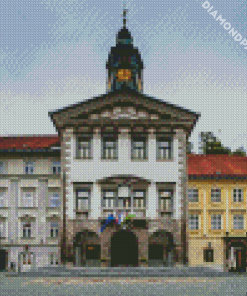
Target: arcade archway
124, 249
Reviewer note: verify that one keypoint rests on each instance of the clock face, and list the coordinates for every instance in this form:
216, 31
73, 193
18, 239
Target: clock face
123, 75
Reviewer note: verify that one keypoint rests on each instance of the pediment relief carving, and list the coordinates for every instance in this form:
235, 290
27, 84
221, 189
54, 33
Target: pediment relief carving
126, 112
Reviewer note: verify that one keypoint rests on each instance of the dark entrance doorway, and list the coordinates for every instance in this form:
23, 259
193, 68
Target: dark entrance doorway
93, 252
124, 249
3, 260
155, 252
237, 252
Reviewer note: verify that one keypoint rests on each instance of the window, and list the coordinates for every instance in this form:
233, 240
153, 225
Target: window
109, 197
216, 221
84, 144
82, 199
3, 192
209, 255
2, 229
139, 199
139, 148
238, 222
109, 148
124, 197
29, 167
164, 148
2, 167
27, 197
54, 199
193, 222
216, 195
165, 200
26, 228
193, 195
53, 259
27, 258
54, 229
237, 195
56, 167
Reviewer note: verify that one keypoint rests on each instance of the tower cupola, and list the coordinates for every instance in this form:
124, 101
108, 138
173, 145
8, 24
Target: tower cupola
124, 63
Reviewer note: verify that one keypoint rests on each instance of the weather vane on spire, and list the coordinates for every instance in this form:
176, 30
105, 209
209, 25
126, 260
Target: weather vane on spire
124, 15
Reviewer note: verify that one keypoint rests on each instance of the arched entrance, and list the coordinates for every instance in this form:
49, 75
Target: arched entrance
160, 249
124, 249
87, 249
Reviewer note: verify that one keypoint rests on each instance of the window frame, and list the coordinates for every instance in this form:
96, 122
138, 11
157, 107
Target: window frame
3, 195
135, 198
171, 197
193, 195
104, 198
24, 191
80, 152
195, 222
54, 229
161, 139
216, 197
83, 198
234, 221
216, 216
139, 138
56, 167
111, 138
26, 229
29, 165
237, 193
51, 198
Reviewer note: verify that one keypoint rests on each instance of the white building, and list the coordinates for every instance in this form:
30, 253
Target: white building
121, 153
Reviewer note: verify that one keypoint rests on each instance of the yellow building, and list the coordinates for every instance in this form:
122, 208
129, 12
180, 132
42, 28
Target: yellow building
217, 224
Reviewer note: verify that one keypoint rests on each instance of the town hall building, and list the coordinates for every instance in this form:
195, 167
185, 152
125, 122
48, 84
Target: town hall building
110, 189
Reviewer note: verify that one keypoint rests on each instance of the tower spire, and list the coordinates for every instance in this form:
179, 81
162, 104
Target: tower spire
124, 15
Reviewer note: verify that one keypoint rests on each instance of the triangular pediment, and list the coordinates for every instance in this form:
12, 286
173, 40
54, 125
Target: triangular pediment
113, 107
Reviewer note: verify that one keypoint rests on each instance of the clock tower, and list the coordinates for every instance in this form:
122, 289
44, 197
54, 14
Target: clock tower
124, 63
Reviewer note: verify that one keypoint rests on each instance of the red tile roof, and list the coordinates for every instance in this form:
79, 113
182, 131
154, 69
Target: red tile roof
29, 142
217, 165
198, 165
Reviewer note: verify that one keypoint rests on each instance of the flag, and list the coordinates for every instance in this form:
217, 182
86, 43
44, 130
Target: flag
109, 219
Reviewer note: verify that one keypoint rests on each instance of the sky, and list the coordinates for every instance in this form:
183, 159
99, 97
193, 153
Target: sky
53, 54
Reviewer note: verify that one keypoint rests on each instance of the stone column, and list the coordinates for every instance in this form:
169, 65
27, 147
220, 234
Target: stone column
181, 196
67, 148
42, 198
152, 203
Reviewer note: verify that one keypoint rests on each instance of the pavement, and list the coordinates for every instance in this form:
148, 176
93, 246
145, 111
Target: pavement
137, 272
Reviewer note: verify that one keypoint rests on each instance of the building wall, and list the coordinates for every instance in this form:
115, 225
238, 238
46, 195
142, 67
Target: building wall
199, 239
13, 182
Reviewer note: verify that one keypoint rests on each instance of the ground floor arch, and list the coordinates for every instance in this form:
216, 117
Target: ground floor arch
124, 249
87, 249
160, 249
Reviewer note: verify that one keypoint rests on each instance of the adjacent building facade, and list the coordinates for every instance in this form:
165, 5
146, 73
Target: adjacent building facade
217, 226
120, 155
